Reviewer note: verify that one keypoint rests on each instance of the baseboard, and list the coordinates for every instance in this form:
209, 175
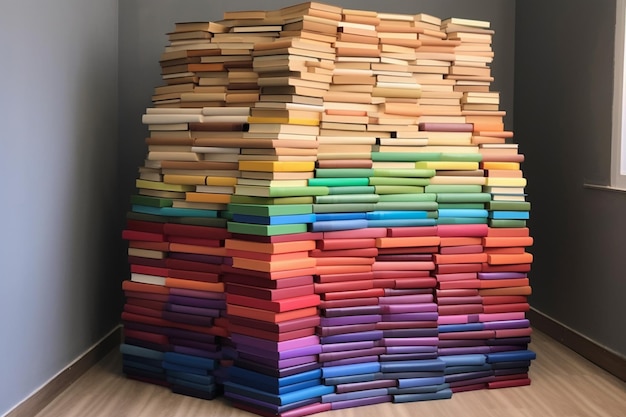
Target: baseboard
605, 358
51, 389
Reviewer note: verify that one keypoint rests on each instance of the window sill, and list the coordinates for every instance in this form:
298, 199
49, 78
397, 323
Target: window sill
604, 188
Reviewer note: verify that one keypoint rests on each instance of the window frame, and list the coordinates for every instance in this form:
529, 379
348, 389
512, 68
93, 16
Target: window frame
618, 140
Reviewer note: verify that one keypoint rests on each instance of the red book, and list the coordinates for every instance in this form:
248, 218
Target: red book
451, 250
505, 250
340, 295
456, 292
342, 269
507, 259
140, 235
139, 260
460, 241
162, 298
499, 283
343, 286
347, 328
403, 266
144, 226
278, 306
343, 260
506, 291
460, 258
447, 310
457, 230
269, 335
149, 270
400, 274
475, 299
255, 281
349, 302
268, 293
194, 275
363, 252
466, 283
292, 237
425, 282
508, 232
497, 241
412, 231
142, 244
271, 316
357, 276
153, 304
505, 333
269, 275
191, 230
509, 383
267, 257
456, 277
506, 268
144, 311
356, 233
286, 326
456, 268
159, 339
504, 299
128, 285
344, 244
187, 240
505, 308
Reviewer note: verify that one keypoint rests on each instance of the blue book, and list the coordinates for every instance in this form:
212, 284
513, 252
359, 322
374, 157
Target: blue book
514, 215
190, 384
516, 355
280, 399
400, 214
462, 220
351, 379
462, 213
461, 369
439, 395
464, 360
344, 370
417, 390
198, 379
324, 217
170, 366
189, 360
465, 327
331, 398
401, 223
133, 350
270, 220
352, 337
338, 225
267, 407
338, 182
413, 366
129, 363
260, 379
421, 382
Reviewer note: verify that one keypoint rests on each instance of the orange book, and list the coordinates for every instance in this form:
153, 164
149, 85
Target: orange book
403, 266
395, 242
272, 248
201, 250
343, 286
354, 294
496, 134
502, 333
508, 232
344, 260
482, 127
505, 250
269, 266
277, 306
527, 290
270, 316
478, 140
502, 283
500, 259
128, 285
460, 258
207, 198
141, 244
194, 285
266, 256
465, 283
342, 269
460, 241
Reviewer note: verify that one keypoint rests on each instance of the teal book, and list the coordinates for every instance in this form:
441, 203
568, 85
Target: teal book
509, 205
506, 223
338, 182
510, 215
463, 197
245, 199
343, 207
174, 212
462, 213
266, 230
403, 172
408, 197
462, 220
462, 157
475, 206
346, 198
401, 223
399, 181
144, 200
405, 205
453, 188
343, 172
333, 225
274, 220
357, 189
400, 214
398, 189
270, 210
406, 156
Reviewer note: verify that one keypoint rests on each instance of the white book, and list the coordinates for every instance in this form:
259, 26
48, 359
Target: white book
147, 279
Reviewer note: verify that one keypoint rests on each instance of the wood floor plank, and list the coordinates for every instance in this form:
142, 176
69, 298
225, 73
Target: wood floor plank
563, 384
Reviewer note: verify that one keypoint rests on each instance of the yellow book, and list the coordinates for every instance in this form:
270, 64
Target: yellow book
505, 182
208, 198
446, 165
501, 165
273, 166
221, 181
284, 120
155, 185
184, 179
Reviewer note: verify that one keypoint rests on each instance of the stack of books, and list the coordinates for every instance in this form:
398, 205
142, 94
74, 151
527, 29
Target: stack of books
330, 214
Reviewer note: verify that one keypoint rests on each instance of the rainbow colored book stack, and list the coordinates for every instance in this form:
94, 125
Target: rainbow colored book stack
330, 215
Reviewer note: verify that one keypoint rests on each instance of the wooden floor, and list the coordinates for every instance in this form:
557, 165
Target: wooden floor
563, 385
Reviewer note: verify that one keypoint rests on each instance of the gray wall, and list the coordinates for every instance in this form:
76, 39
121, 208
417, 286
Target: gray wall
58, 112
563, 115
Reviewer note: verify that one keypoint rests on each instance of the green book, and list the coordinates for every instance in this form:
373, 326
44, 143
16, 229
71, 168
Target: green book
245, 199
133, 215
398, 189
267, 210
257, 191
144, 200
509, 205
507, 223
405, 205
463, 197
479, 206
453, 188
406, 156
338, 182
343, 172
404, 172
266, 230
346, 198
408, 197
462, 157
344, 208
461, 220
399, 181
357, 189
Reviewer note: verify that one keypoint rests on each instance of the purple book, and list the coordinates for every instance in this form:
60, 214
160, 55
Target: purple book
501, 275
393, 292
351, 311
188, 334
431, 315
198, 294
194, 257
196, 311
446, 127
334, 356
346, 328
408, 308
274, 346
411, 341
276, 372
427, 332
367, 385
463, 350
343, 320
351, 361
410, 349
341, 347
197, 352
507, 324
406, 325
407, 357
360, 402
281, 363
505, 348
286, 354
187, 318
518, 341
407, 299
198, 302
353, 337
207, 347
462, 343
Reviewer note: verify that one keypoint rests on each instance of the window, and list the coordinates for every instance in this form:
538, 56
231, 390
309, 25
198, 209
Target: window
618, 150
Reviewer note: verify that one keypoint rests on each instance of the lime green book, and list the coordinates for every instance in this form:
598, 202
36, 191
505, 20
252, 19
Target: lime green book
245, 199
344, 208
338, 182
133, 215
356, 189
270, 210
473, 206
343, 172
144, 200
507, 223
398, 189
405, 205
266, 230
256, 191
462, 220
346, 198
462, 157
447, 165
509, 205
406, 156
463, 197
453, 188
399, 181
403, 172
157, 185
409, 197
